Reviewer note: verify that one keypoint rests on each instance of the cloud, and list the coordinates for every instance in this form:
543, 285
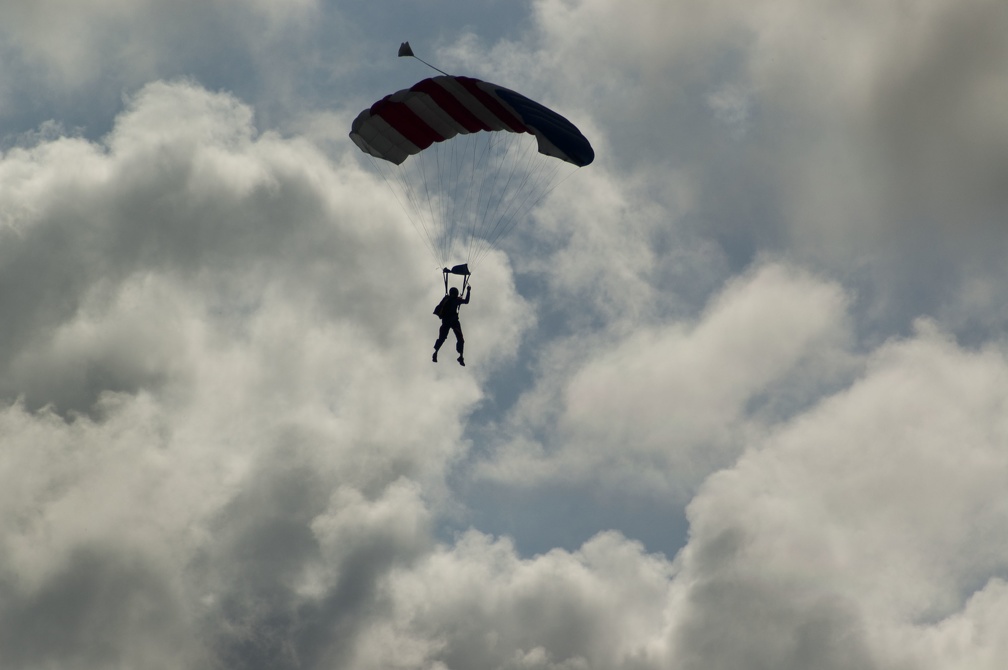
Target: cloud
224, 442
806, 70
478, 603
215, 413
73, 42
862, 531
663, 406
861, 139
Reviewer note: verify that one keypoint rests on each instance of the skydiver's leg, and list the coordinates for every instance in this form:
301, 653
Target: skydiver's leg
442, 335
459, 341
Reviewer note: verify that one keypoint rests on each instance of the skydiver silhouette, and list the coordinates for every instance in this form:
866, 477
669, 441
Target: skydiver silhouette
448, 310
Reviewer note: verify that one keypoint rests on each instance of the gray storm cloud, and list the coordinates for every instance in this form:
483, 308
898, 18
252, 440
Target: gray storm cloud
749, 403
197, 360
844, 537
863, 138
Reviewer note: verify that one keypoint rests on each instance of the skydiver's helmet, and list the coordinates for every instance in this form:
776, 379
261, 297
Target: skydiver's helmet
453, 292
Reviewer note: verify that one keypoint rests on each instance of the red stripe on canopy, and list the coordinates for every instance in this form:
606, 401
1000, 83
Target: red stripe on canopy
409, 125
491, 103
451, 105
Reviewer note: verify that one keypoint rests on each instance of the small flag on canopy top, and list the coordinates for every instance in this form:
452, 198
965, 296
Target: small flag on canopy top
405, 50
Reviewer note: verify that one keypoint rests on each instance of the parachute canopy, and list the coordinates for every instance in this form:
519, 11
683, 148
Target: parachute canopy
437, 109
457, 153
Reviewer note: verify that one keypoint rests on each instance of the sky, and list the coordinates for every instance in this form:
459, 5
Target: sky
736, 394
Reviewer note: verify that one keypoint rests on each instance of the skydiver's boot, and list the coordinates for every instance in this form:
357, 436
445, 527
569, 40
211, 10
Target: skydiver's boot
434, 357
461, 361
458, 347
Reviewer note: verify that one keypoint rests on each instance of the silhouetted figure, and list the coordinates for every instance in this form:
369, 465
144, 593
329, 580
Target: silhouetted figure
448, 310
